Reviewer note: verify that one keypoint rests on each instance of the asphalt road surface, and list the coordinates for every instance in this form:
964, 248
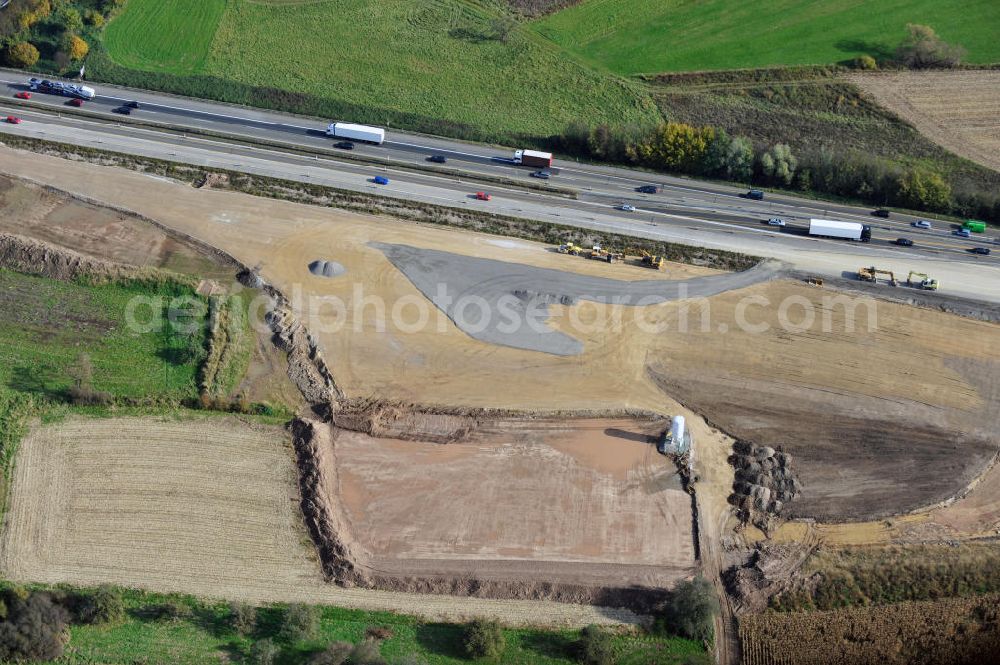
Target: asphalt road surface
684, 210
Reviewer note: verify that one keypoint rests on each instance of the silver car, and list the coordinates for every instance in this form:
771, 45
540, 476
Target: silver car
922, 224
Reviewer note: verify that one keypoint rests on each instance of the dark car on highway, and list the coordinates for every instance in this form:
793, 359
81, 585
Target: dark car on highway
438, 159
131, 105
755, 194
880, 212
124, 110
985, 251
544, 175
344, 145
381, 180
904, 242
648, 189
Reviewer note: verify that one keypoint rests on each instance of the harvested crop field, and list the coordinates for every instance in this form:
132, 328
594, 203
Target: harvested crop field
587, 502
207, 507
959, 110
877, 422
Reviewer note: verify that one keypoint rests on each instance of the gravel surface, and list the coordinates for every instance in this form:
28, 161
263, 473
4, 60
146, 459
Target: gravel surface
507, 303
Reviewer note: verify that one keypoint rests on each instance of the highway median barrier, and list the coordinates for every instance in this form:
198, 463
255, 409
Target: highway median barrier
333, 155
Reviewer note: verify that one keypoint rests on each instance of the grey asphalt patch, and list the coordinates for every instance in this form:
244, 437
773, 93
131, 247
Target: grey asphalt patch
507, 303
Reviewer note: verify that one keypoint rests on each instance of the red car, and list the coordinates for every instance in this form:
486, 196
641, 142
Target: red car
14, 120
23, 95
76, 101
483, 196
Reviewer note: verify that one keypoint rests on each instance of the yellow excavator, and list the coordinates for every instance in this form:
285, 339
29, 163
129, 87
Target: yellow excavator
923, 281
570, 248
871, 275
653, 261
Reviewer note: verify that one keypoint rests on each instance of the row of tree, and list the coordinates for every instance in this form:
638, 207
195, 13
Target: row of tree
711, 152
31, 28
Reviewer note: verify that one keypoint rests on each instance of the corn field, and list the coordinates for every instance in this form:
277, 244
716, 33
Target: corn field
942, 632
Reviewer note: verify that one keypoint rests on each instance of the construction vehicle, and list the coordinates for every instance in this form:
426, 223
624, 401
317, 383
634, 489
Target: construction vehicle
871, 275
652, 260
815, 281
598, 253
570, 248
923, 281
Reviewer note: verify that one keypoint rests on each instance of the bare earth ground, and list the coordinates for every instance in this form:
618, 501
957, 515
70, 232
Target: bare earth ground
583, 502
877, 423
207, 507
959, 110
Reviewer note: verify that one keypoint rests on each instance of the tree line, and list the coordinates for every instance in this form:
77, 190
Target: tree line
711, 152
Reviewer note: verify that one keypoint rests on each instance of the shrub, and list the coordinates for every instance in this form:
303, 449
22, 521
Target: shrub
242, 618
104, 605
483, 639
779, 164
22, 54
35, 628
94, 18
170, 610
594, 647
264, 652
336, 653
690, 611
378, 632
366, 653
923, 49
864, 62
299, 622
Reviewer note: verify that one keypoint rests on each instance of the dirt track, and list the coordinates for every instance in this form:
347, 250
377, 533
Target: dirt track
207, 507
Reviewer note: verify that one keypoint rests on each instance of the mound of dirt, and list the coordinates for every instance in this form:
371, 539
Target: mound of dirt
322, 268
764, 483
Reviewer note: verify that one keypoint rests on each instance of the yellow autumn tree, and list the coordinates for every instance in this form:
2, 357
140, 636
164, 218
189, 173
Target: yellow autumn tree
78, 48
675, 146
22, 54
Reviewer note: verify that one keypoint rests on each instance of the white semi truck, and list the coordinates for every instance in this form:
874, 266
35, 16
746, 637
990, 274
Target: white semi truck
347, 130
848, 230
533, 158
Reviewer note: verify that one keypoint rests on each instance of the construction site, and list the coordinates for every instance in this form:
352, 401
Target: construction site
528, 468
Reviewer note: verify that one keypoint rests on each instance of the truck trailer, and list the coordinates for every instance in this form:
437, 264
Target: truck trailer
347, 130
59, 88
848, 230
533, 158
975, 226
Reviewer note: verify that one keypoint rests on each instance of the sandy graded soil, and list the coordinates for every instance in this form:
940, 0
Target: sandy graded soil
207, 507
878, 423
959, 110
29, 210
574, 501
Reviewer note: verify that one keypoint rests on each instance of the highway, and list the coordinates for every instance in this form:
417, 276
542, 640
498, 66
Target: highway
695, 212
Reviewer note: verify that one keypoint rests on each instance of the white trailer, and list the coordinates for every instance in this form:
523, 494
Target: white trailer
533, 158
347, 130
848, 230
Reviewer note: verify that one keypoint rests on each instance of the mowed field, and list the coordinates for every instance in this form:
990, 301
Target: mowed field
206, 506
958, 110
432, 58
646, 36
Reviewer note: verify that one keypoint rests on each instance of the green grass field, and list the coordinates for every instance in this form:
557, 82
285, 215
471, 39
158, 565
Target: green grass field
47, 324
647, 36
205, 637
434, 58
149, 35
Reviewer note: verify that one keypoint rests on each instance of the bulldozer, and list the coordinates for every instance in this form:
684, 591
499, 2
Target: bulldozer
871, 275
570, 248
653, 261
923, 281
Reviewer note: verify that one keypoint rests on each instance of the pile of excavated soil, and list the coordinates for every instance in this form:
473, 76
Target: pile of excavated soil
322, 268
